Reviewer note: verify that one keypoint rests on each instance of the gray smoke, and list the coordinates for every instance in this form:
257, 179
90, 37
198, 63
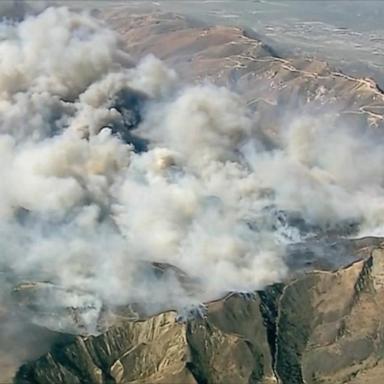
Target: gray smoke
18, 9
107, 166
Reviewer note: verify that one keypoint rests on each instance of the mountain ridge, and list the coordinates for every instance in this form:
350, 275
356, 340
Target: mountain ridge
302, 331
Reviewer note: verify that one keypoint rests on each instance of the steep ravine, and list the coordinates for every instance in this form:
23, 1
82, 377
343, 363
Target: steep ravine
323, 327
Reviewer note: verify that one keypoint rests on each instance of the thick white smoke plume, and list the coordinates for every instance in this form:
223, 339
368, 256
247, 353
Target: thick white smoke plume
106, 167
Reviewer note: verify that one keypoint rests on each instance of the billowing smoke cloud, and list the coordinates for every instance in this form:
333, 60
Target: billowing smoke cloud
107, 167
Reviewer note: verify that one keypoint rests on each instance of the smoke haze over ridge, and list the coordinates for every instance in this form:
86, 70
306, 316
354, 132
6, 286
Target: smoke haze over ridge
82, 205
